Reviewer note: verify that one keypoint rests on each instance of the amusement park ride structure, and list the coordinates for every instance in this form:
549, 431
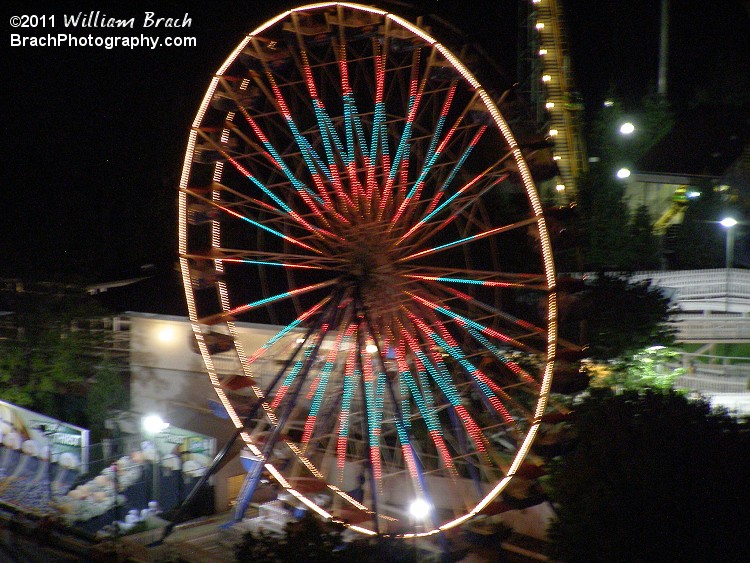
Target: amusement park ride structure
348, 178
546, 79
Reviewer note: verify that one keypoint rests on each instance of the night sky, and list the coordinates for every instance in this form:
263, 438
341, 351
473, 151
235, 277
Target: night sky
93, 138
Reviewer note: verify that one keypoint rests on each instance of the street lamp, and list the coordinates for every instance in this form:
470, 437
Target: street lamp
419, 509
627, 128
728, 223
623, 173
152, 425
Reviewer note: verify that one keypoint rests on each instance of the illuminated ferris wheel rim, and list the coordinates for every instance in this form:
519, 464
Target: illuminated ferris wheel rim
531, 194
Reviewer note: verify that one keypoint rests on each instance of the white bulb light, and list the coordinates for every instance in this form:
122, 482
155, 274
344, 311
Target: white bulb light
166, 334
419, 509
153, 424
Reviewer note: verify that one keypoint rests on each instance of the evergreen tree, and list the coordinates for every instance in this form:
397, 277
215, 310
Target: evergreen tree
643, 245
653, 477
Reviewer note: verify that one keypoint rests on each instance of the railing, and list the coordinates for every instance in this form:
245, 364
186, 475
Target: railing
709, 385
712, 328
690, 285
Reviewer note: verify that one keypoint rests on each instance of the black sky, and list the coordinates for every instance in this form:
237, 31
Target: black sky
93, 138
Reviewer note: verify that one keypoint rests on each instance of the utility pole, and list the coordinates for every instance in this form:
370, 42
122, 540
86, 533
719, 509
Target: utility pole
663, 49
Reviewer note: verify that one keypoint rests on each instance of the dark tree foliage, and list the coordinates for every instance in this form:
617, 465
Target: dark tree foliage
614, 317
310, 539
603, 218
654, 476
49, 361
644, 247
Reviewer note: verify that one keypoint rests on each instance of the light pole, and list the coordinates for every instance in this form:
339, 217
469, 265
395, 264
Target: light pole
729, 223
419, 510
152, 426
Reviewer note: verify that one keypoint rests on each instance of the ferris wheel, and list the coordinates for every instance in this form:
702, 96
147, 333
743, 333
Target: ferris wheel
348, 181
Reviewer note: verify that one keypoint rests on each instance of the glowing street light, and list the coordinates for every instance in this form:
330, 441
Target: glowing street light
623, 173
420, 508
627, 128
153, 424
728, 223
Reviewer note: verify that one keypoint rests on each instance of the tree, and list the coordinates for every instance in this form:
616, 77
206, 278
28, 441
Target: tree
48, 354
644, 248
646, 369
603, 218
612, 317
308, 539
311, 539
654, 476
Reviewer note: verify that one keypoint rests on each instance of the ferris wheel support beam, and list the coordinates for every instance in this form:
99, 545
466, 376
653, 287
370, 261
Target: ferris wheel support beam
421, 483
211, 469
253, 477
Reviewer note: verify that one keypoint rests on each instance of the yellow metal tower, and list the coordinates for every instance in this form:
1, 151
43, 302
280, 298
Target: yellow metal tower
549, 83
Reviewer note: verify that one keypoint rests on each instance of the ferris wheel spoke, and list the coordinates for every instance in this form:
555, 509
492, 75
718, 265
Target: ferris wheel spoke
479, 380
423, 398
300, 187
531, 329
462, 204
466, 240
231, 313
286, 330
445, 186
439, 374
318, 387
466, 322
350, 128
279, 202
308, 153
434, 152
378, 122
328, 134
400, 163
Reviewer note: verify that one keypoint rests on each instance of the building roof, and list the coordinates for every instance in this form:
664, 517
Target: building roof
705, 141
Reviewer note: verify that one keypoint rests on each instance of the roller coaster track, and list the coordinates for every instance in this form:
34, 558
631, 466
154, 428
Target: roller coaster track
544, 63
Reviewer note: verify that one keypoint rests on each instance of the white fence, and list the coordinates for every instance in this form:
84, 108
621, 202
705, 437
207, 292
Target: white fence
712, 328
705, 290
